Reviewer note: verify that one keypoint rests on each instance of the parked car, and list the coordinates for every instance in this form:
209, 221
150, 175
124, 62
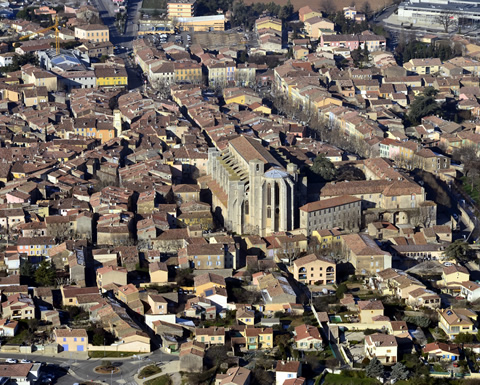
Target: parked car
10, 361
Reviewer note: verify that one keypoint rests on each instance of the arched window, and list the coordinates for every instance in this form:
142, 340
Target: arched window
247, 207
269, 194
269, 212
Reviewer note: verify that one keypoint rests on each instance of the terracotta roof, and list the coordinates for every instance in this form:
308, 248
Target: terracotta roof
211, 331
307, 332
328, 203
398, 325
455, 269
311, 258
441, 347
458, 316
288, 366
15, 370
370, 305
214, 279
61, 333
381, 340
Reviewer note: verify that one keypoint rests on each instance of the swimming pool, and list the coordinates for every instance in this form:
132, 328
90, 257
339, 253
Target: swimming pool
335, 318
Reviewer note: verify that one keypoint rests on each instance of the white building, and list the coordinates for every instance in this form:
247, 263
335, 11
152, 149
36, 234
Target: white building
6, 59
286, 370
419, 12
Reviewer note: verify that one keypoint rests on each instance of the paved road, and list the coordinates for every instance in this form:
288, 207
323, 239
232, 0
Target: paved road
84, 368
124, 39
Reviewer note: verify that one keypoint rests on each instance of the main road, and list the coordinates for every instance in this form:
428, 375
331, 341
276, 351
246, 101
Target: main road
123, 40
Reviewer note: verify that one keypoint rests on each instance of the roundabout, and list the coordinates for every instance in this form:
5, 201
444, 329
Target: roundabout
107, 368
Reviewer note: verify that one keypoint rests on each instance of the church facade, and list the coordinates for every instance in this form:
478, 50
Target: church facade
252, 191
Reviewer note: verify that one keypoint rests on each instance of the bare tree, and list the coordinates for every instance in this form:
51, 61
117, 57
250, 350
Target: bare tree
328, 7
470, 158
290, 255
447, 20
367, 9
424, 216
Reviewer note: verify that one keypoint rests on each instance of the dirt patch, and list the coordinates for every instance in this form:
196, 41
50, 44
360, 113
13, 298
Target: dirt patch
339, 4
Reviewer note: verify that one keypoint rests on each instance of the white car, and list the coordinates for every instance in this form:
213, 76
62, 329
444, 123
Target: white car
447, 264
10, 361
25, 361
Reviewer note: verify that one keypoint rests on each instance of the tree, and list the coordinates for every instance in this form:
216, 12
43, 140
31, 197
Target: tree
468, 155
184, 277
457, 250
323, 167
399, 371
447, 20
287, 11
26, 269
332, 363
463, 338
261, 377
246, 296
375, 368
328, 7
98, 339
349, 172
215, 355
367, 9
341, 290
423, 322
423, 105
32, 325
45, 274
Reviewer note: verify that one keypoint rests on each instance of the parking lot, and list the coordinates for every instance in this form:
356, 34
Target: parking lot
181, 38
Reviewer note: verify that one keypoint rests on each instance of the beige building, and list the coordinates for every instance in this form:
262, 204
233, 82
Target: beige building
180, 8
364, 254
210, 336
344, 212
423, 66
92, 32
370, 310
315, 25
313, 269
40, 78
18, 306
455, 274
158, 273
111, 274
382, 346
456, 321
158, 304
71, 340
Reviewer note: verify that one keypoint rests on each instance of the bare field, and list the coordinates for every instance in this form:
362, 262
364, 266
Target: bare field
339, 4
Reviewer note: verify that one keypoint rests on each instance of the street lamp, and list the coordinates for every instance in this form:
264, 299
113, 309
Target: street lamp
111, 377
